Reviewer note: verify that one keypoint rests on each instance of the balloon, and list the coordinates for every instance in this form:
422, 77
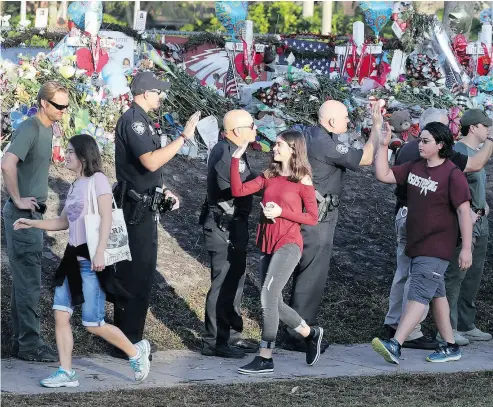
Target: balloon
76, 12
115, 79
67, 71
232, 14
486, 16
377, 14
92, 23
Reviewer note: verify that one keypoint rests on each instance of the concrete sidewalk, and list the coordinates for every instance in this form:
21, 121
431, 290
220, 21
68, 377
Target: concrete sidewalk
172, 368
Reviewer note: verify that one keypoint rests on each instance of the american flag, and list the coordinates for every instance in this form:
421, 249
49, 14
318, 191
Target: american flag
322, 65
230, 88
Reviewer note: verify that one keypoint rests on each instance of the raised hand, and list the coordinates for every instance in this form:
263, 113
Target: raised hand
189, 130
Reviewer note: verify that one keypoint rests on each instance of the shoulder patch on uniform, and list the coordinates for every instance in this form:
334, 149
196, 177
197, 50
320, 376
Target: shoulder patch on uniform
139, 128
242, 166
342, 149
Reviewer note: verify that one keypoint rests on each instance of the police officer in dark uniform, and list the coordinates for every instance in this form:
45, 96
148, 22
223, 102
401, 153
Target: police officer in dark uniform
225, 224
330, 160
142, 195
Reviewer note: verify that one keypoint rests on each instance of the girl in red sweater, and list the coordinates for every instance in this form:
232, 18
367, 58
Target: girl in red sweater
287, 187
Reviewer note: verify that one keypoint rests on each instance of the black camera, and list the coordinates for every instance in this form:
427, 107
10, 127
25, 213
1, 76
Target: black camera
160, 202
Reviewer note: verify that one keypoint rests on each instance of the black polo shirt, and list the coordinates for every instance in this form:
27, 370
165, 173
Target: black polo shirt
329, 160
219, 180
135, 136
410, 152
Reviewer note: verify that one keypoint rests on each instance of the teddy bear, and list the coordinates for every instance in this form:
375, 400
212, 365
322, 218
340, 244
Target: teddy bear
400, 122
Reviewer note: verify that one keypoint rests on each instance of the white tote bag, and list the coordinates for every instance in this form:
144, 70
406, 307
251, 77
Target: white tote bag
117, 248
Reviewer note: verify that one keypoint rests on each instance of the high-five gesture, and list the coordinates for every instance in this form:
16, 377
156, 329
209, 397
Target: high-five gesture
189, 130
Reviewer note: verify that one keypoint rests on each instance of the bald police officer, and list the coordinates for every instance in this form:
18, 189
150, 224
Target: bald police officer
225, 223
139, 158
330, 159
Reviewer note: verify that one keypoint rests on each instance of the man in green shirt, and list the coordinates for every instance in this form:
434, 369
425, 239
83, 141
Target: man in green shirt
463, 286
25, 174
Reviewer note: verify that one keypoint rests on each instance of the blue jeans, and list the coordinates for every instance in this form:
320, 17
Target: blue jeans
94, 297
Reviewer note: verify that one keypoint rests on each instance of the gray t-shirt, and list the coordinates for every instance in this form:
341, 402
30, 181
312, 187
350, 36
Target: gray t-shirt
477, 186
31, 143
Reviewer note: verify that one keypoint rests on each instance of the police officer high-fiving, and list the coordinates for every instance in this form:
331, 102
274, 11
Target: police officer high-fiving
142, 195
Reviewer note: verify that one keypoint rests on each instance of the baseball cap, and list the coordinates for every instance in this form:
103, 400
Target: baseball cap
475, 116
145, 81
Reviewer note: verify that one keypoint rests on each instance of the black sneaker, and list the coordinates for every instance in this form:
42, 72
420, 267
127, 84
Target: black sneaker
313, 346
42, 354
226, 351
387, 332
421, 343
245, 346
388, 348
259, 365
300, 346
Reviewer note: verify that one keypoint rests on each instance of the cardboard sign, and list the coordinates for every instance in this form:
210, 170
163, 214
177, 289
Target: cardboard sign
41, 18
121, 47
140, 21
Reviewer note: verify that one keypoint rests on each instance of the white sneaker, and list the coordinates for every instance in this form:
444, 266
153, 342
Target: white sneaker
141, 364
459, 339
60, 378
476, 335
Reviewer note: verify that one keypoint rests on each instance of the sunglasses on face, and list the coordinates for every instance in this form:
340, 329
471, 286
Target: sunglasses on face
57, 106
156, 91
251, 126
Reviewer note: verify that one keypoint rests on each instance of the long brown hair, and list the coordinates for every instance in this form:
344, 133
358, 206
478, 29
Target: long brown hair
298, 163
87, 151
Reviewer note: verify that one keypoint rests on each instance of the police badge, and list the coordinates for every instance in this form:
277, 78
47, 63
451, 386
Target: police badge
342, 149
139, 128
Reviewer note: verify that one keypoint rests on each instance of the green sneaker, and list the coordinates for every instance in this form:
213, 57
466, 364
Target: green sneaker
61, 378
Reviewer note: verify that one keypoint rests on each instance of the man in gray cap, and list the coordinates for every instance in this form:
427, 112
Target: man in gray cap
138, 160
462, 287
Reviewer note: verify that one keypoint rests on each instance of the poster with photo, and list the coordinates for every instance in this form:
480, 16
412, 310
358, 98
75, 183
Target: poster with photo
123, 50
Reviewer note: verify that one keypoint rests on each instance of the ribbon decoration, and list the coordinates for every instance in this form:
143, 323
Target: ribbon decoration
454, 120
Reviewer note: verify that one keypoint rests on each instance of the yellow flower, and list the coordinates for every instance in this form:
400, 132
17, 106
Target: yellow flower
306, 68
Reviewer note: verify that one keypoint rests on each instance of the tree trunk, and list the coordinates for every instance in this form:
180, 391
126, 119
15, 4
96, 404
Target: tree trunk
52, 15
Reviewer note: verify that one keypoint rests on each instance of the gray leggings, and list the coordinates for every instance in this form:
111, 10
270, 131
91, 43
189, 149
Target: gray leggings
275, 271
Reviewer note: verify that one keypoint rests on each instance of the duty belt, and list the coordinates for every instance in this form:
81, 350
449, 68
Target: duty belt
326, 204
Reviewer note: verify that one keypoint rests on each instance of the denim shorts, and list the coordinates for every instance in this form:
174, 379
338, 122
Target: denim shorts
94, 297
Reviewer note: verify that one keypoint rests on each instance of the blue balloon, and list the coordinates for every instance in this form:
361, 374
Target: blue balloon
377, 14
232, 14
117, 85
76, 12
112, 69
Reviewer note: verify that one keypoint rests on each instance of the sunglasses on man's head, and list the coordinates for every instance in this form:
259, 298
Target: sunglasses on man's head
57, 106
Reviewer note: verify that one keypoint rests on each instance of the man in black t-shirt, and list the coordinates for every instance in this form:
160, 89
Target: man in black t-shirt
400, 284
138, 160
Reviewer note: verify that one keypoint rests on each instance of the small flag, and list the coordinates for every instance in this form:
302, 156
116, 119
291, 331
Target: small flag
230, 88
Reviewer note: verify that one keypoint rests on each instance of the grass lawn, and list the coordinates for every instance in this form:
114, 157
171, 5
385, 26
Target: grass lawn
425, 390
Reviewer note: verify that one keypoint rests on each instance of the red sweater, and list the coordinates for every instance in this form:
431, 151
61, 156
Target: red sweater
290, 196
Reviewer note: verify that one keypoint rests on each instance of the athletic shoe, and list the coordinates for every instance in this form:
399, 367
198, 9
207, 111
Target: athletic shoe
140, 364
230, 352
60, 378
313, 346
300, 345
388, 348
445, 354
259, 365
422, 342
476, 335
458, 338
42, 354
